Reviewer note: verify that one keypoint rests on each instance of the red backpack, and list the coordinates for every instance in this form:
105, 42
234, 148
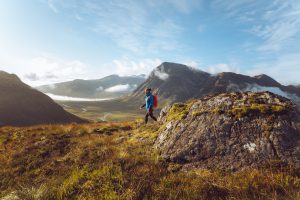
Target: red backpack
155, 101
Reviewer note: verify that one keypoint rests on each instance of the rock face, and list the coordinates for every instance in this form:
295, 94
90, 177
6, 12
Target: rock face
231, 131
21, 105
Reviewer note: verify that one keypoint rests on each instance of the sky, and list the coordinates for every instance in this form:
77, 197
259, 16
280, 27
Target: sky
49, 41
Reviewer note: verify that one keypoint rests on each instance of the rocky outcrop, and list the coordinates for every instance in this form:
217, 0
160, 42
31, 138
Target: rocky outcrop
231, 131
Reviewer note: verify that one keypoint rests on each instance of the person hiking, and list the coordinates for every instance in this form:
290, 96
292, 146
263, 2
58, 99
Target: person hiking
149, 105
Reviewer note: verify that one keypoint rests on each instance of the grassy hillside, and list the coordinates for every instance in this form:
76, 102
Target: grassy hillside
117, 161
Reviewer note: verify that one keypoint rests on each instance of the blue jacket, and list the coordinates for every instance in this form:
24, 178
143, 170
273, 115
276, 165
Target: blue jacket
149, 101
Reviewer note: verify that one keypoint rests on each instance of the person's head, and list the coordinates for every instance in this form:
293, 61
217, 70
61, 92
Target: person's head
148, 91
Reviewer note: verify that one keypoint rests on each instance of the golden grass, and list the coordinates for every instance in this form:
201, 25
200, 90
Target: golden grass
117, 161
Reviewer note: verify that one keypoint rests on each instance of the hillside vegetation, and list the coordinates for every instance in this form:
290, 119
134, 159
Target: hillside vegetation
118, 161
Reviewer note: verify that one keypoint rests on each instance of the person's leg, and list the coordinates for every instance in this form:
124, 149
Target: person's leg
146, 118
152, 116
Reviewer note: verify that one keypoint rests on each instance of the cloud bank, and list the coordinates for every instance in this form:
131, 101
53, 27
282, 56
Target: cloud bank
118, 88
161, 75
66, 98
218, 68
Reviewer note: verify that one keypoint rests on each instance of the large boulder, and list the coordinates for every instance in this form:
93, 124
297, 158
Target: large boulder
231, 131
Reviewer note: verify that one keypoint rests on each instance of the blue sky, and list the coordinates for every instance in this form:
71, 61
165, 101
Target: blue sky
48, 41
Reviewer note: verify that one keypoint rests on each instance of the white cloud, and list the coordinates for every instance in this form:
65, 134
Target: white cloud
52, 86
66, 98
285, 69
186, 6
118, 88
50, 69
192, 63
130, 67
284, 19
78, 17
31, 77
52, 6
130, 24
161, 75
275, 90
275, 23
218, 68
282, 25
181, 6
99, 89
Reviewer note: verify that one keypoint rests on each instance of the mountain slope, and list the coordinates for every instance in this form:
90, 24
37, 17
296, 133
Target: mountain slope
176, 82
107, 87
21, 105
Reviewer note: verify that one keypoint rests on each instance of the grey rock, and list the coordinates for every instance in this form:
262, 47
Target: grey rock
231, 131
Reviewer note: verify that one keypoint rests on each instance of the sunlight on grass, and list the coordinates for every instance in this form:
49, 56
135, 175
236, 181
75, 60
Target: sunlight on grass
117, 161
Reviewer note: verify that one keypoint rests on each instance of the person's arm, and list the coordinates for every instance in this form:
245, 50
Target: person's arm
143, 106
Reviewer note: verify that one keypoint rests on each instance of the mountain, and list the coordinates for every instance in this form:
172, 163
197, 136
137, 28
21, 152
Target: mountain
21, 105
231, 131
176, 82
108, 87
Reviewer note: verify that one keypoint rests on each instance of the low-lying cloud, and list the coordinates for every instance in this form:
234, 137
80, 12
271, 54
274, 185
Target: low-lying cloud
118, 88
218, 68
161, 75
100, 89
275, 90
66, 98
31, 76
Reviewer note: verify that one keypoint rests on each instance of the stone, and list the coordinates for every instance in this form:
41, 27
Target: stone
231, 131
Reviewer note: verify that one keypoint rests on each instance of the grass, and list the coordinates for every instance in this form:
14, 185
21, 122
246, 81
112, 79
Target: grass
257, 108
117, 161
110, 110
245, 110
179, 110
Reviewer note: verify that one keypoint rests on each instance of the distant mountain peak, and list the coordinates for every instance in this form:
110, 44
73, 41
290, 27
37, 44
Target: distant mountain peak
176, 68
7, 76
265, 79
178, 82
95, 88
263, 76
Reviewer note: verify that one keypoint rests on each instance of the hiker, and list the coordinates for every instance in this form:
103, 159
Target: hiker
150, 104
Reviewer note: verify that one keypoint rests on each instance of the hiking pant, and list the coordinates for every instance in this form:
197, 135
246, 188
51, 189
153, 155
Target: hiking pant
150, 113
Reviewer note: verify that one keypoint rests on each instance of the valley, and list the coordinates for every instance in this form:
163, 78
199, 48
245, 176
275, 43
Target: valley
109, 110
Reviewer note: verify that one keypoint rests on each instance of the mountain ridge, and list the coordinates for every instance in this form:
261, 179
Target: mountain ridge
177, 83
21, 105
111, 86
